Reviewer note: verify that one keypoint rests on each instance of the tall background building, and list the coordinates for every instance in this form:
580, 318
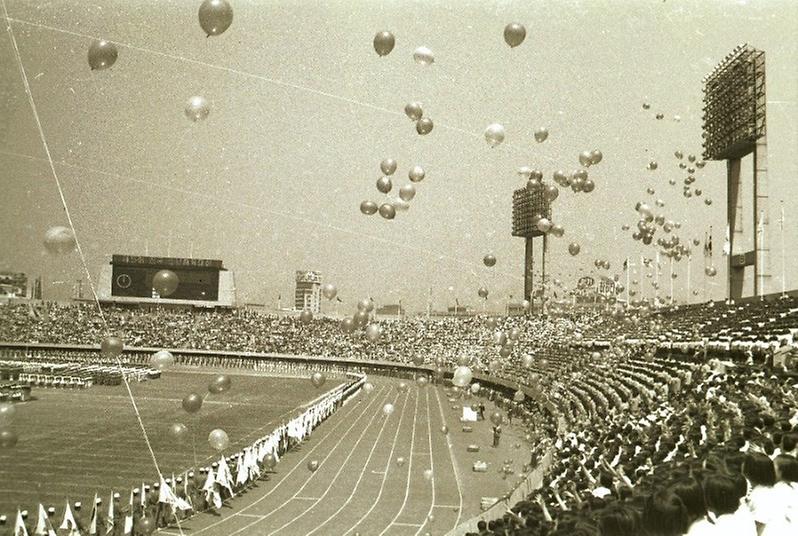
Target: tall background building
308, 291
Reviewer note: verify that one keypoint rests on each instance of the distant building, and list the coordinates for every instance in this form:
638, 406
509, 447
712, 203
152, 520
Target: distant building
393, 309
308, 291
15, 285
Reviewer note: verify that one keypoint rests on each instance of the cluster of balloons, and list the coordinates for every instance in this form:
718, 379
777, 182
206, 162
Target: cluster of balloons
361, 318
392, 205
59, 240
424, 125
192, 403
602, 263
578, 181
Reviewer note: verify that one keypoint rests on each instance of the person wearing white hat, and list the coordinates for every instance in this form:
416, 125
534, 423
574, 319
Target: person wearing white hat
78, 515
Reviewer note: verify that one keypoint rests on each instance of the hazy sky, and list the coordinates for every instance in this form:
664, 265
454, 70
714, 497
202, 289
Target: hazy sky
272, 180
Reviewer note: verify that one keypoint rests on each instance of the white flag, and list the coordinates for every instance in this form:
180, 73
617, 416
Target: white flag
168, 496
19, 526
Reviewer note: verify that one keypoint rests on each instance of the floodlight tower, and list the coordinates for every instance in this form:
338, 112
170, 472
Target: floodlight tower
529, 206
734, 127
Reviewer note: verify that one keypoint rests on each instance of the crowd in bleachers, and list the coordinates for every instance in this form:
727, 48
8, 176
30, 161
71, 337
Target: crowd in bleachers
664, 423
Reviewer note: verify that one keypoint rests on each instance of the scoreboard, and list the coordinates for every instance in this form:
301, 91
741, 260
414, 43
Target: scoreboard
132, 277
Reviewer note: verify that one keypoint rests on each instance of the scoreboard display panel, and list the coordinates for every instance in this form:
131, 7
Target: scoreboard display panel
132, 277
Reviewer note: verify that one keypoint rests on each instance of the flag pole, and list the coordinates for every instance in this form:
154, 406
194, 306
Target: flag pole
628, 269
781, 226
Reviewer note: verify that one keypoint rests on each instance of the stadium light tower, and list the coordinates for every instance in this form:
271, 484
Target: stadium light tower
528, 208
734, 127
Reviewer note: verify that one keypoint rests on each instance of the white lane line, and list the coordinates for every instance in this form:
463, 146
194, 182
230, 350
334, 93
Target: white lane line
340, 469
363, 470
248, 515
454, 465
303, 499
397, 524
409, 471
310, 477
431, 464
387, 466
277, 484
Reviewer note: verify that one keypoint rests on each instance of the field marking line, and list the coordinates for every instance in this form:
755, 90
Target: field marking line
363, 471
427, 519
293, 498
387, 466
454, 464
286, 475
248, 515
445, 506
409, 470
398, 524
343, 465
313, 474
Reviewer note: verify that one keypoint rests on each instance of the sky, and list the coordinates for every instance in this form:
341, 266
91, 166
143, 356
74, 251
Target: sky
303, 111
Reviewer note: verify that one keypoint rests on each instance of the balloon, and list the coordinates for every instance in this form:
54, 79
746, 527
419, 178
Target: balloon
221, 383
482, 292
388, 409
368, 207
111, 346
402, 387
424, 126
400, 461
306, 317
491, 323
368, 387
679, 155
707, 201
526, 305
329, 291
462, 376
365, 305
318, 379
7, 413
313, 465
652, 165
475, 387
387, 211
388, 166
361, 318
422, 381
660, 116
500, 338
551, 192
574, 248
414, 110
489, 260
269, 461
519, 396
218, 439
59, 240
557, 230
102, 55
527, 361
544, 225
691, 158
505, 351
711, 271
373, 332
348, 325
646, 106
586, 158
215, 16
192, 403
424, 56
596, 156
700, 164
428, 474
146, 524
384, 43
407, 192
416, 174
496, 418
197, 109
541, 134
560, 177
494, 134
162, 360
463, 360
384, 184
514, 34
165, 282
178, 431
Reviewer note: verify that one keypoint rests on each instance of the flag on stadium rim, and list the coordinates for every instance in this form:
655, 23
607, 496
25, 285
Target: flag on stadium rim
166, 495
93, 522
19, 525
69, 522
43, 525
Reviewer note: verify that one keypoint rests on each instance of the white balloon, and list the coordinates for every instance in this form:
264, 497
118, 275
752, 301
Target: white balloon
494, 134
424, 56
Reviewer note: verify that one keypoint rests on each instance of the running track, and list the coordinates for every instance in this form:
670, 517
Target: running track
359, 488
